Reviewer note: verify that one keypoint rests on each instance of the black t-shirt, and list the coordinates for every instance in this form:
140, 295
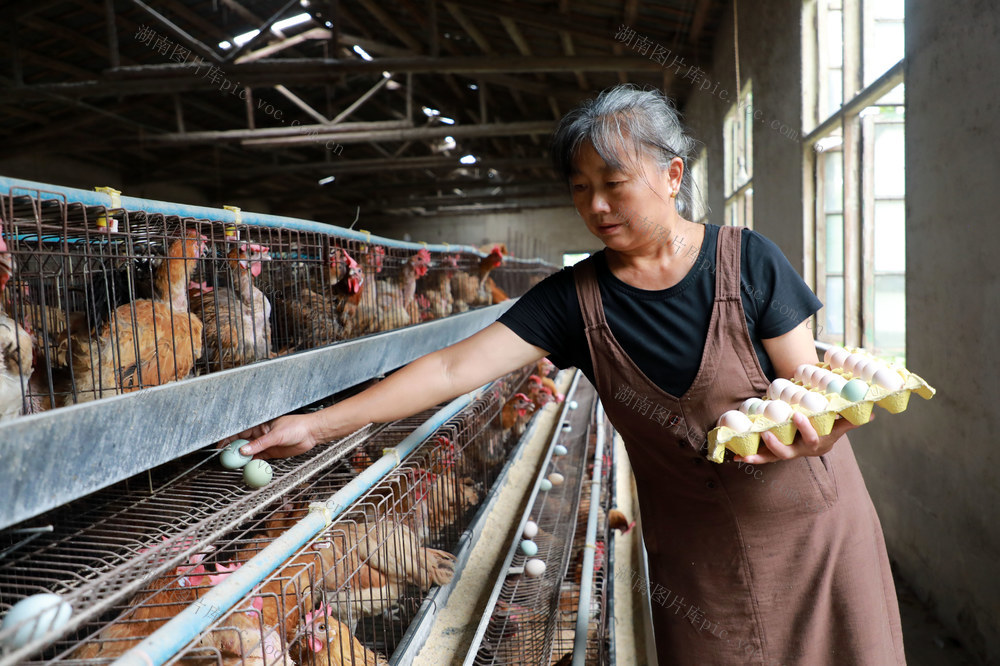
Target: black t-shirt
664, 331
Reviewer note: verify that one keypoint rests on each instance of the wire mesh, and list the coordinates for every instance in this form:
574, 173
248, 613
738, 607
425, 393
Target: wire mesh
569, 591
97, 302
522, 627
132, 556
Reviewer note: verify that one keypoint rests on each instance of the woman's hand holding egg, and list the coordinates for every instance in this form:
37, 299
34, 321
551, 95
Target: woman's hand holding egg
281, 438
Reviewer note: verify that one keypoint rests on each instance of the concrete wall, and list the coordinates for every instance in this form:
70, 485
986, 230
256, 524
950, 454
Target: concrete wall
933, 471
541, 232
770, 57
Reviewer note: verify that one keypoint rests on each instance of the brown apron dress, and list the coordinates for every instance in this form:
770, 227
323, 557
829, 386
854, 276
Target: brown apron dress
782, 563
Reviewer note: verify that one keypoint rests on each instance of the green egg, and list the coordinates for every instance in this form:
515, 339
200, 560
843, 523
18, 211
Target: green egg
257, 473
854, 390
231, 458
529, 548
559, 450
545, 485
836, 385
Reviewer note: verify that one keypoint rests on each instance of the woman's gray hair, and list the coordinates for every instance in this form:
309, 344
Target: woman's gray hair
622, 123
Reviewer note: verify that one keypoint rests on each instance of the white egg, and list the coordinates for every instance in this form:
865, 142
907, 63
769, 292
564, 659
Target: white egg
821, 376
736, 420
888, 379
855, 362
870, 369
556, 479
789, 393
534, 567
837, 357
778, 411
749, 404
530, 529
828, 354
34, 617
814, 402
803, 372
862, 366
776, 387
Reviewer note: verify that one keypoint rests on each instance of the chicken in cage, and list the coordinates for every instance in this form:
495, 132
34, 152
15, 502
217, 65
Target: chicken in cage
472, 288
97, 310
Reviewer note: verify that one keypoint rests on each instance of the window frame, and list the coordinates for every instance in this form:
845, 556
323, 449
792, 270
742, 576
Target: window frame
858, 220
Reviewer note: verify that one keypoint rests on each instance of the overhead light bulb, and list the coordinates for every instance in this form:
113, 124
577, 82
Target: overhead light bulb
361, 52
468, 159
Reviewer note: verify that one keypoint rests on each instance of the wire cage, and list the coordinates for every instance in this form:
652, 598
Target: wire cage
97, 302
522, 626
132, 556
598, 618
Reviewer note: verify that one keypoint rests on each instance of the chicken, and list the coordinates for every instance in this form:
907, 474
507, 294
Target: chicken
15, 351
469, 290
438, 297
514, 415
440, 500
396, 297
545, 367
497, 295
241, 638
368, 560
619, 521
368, 310
312, 318
148, 342
328, 642
237, 319
543, 384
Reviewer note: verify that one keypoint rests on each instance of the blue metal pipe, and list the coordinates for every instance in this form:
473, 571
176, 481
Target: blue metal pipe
46, 191
169, 639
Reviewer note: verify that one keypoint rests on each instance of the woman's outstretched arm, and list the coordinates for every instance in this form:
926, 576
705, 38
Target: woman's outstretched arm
427, 381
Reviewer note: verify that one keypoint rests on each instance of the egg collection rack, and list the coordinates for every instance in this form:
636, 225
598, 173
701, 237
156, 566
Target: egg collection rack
528, 618
153, 545
599, 609
81, 259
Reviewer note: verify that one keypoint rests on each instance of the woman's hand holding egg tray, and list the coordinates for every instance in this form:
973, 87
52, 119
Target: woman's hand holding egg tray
848, 383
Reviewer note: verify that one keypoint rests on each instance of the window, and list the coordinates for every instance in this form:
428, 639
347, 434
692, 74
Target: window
855, 112
699, 186
570, 258
738, 148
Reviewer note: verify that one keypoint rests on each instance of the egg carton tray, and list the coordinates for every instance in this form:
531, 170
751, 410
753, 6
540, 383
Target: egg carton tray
858, 412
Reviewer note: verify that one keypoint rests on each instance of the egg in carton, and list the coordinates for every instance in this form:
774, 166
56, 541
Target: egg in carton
847, 383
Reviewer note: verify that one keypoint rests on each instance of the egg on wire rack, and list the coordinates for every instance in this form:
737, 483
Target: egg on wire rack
257, 473
34, 617
534, 567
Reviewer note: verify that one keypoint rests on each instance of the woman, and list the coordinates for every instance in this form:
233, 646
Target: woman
676, 322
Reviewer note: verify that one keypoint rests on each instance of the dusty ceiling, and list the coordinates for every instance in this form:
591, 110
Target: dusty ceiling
335, 103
